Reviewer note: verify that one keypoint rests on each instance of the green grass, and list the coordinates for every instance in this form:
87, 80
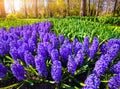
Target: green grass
71, 27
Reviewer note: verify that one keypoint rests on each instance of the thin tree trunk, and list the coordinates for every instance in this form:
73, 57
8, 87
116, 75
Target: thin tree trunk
68, 7
25, 7
94, 7
2, 8
108, 4
115, 7
36, 8
98, 8
88, 7
83, 8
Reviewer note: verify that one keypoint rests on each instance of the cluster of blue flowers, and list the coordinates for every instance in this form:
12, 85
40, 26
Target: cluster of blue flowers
35, 45
109, 52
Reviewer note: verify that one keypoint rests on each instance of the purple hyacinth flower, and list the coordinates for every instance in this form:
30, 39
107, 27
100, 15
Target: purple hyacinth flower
113, 50
50, 48
71, 65
29, 59
21, 51
18, 71
54, 41
19, 42
41, 65
41, 50
66, 41
116, 68
46, 37
102, 64
86, 44
75, 41
14, 53
79, 58
3, 70
104, 48
114, 82
56, 71
61, 39
92, 82
54, 55
113, 41
93, 48
32, 45
41, 36
65, 50
77, 47
4, 48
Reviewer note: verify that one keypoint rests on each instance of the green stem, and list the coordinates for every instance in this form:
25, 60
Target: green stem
9, 58
11, 86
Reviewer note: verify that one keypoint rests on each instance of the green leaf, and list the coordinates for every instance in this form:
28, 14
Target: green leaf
33, 70
11, 86
9, 58
82, 84
31, 82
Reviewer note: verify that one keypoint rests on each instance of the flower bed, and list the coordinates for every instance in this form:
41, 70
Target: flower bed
33, 54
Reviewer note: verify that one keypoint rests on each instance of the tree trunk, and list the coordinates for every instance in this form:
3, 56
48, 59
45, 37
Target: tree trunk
94, 7
108, 4
2, 8
115, 7
25, 7
83, 8
36, 8
68, 7
98, 8
88, 7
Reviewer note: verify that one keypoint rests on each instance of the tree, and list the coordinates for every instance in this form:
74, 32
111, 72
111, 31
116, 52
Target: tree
25, 7
94, 8
98, 8
88, 7
36, 8
2, 8
108, 6
115, 7
83, 8
68, 7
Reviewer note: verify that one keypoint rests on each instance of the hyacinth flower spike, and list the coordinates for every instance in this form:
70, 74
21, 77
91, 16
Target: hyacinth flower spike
92, 82
18, 71
114, 82
93, 48
41, 65
71, 65
3, 70
56, 71
116, 68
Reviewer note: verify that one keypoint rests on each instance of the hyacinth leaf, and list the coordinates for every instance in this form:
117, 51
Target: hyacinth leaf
76, 87
104, 81
103, 41
66, 86
48, 81
9, 58
11, 86
81, 69
33, 70
31, 82
82, 84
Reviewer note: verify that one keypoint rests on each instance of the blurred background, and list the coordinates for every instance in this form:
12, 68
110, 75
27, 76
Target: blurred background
58, 8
